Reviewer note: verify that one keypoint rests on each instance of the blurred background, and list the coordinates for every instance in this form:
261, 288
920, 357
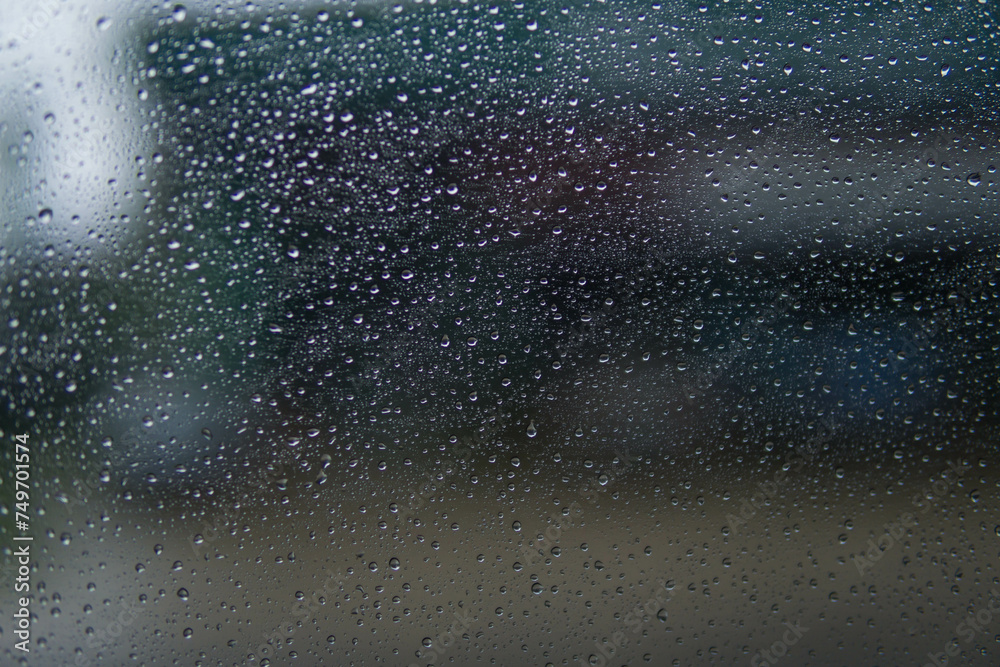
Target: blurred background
557, 333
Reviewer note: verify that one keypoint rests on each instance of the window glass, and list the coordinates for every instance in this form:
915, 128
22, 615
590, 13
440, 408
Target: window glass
447, 333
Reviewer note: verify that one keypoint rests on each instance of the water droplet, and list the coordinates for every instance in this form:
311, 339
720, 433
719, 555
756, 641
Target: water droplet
183, 594
974, 179
532, 431
179, 13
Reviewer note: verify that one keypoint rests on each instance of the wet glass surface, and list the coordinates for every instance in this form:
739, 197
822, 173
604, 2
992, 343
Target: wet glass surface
445, 333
